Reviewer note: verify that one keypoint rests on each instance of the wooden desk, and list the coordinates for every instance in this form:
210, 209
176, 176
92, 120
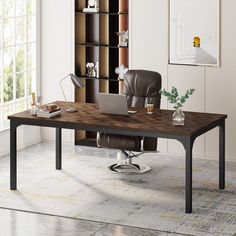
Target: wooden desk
141, 124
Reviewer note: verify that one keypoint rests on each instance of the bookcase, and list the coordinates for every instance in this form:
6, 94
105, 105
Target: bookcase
96, 41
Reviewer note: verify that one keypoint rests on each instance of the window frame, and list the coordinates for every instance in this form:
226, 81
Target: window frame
38, 63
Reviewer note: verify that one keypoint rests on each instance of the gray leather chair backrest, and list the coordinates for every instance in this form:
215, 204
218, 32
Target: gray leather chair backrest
141, 86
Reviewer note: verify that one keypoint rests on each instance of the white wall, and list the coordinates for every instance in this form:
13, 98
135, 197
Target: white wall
149, 50
56, 55
26, 136
56, 62
187, 24
215, 86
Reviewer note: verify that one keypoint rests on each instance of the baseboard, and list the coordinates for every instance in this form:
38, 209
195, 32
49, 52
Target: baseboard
20, 147
38, 140
212, 158
49, 141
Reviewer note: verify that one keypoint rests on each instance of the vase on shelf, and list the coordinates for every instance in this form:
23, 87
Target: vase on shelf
178, 117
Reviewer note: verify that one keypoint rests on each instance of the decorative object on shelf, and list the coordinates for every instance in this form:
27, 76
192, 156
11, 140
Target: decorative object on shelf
92, 6
174, 98
192, 40
121, 71
124, 38
91, 72
77, 82
97, 69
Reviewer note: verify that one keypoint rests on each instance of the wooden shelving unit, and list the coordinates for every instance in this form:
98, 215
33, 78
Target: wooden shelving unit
96, 41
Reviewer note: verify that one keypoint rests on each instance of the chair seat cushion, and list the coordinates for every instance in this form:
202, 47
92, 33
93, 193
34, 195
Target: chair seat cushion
122, 142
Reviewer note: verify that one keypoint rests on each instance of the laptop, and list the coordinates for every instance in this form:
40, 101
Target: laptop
113, 104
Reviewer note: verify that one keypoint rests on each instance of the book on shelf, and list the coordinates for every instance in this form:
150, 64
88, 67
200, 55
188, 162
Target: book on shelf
90, 10
123, 44
48, 114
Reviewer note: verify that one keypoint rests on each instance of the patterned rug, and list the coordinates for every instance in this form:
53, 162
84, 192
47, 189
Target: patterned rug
86, 189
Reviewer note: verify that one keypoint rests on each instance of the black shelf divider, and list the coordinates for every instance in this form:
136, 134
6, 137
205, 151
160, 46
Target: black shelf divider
103, 13
97, 78
91, 45
92, 78
91, 13
99, 45
114, 47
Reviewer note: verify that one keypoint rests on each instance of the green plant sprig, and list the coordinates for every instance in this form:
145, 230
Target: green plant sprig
174, 98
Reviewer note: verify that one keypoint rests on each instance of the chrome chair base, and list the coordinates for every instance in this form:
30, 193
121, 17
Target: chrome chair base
127, 167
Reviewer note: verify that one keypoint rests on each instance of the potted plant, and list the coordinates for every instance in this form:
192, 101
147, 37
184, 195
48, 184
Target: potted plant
177, 100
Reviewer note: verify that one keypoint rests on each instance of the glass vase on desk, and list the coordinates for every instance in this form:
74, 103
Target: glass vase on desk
178, 117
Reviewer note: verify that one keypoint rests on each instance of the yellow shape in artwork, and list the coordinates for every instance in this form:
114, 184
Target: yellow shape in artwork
196, 42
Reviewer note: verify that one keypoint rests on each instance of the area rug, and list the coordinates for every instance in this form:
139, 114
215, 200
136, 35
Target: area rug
86, 189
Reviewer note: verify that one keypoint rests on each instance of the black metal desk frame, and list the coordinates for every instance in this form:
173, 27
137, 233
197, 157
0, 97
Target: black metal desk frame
187, 142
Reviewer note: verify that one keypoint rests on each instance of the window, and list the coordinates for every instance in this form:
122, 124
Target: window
18, 56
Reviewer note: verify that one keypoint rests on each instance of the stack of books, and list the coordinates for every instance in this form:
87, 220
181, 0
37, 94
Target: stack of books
50, 110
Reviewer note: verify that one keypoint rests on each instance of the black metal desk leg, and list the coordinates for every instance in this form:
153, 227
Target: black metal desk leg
188, 175
58, 148
13, 155
222, 156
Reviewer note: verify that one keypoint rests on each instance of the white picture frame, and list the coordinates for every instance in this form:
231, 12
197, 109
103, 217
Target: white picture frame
194, 32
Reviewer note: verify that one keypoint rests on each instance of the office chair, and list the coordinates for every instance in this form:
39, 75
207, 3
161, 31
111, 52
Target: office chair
139, 87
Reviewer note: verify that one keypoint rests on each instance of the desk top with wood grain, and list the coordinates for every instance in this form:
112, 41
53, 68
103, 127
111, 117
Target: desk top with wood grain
89, 118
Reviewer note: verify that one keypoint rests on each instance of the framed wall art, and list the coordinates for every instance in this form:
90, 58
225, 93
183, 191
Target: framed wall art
194, 32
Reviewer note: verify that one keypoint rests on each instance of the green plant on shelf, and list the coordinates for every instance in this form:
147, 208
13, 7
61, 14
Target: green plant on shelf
174, 98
